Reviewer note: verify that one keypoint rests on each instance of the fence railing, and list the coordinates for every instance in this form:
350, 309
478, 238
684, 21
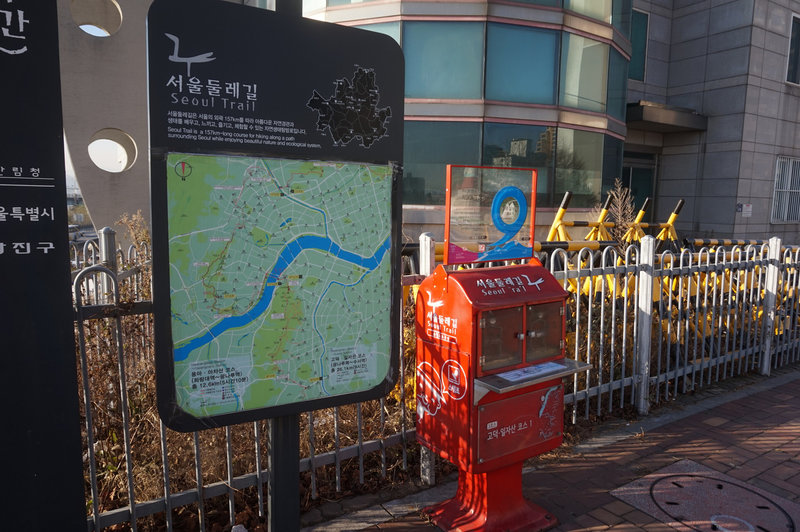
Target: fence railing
652, 326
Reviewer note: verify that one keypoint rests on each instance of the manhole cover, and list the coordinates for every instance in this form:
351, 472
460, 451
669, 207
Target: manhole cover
689, 496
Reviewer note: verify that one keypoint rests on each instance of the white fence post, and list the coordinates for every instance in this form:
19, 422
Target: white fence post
644, 285
108, 257
427, 263
770, 303
108, 248
427, 254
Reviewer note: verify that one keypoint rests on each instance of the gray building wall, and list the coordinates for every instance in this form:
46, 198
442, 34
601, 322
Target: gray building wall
726, 60
104, 87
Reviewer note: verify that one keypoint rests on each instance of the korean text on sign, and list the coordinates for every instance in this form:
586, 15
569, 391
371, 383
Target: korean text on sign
12, 29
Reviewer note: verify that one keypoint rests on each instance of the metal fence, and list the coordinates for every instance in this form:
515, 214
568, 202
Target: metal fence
652, 325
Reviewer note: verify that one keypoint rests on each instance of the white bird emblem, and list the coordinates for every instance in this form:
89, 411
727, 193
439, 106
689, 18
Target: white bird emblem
175, 58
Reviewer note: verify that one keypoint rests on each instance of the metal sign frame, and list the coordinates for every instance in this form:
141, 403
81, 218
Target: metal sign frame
335, 98
490, 213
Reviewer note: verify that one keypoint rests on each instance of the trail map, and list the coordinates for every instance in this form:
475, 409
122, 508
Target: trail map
279, 279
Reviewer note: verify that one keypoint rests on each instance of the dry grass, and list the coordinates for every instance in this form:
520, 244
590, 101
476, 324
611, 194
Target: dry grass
132, 335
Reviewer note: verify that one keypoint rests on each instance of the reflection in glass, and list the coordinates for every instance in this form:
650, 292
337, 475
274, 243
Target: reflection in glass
638, 45
392, 29
597, 9
554, 3
501, 338
521, 146
544, 328
579, 166
617, 85
793, 70
443, 59
621, 16
332, 3
612, 162
428, 148
584, 73
521, 64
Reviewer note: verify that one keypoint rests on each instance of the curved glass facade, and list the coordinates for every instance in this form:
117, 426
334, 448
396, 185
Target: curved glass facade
584, 73
597, 9
521, 64
523, 146
428, 148
583, 162
463, 76
444, 59
617, 85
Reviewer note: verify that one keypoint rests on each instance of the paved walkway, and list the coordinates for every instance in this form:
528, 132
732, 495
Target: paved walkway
750, 432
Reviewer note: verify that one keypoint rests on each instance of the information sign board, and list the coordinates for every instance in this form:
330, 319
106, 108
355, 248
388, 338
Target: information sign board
490, 214
40, 389
275, 149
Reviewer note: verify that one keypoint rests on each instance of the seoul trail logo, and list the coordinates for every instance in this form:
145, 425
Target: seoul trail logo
175, 56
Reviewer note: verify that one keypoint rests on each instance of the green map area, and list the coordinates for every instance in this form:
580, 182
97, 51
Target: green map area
279, 280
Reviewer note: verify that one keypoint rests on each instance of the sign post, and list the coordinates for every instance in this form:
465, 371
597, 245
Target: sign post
276, 218
40, 441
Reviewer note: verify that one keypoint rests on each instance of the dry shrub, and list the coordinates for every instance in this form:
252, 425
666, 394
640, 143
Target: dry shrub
621, 210
132, 334
379, 419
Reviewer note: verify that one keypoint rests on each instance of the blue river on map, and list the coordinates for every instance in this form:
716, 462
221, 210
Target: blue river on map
286, 257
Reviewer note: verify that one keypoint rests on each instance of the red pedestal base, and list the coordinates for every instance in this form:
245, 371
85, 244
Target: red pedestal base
491, 501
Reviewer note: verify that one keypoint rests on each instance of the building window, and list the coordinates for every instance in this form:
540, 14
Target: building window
579, 166
793, 70
786, 199
615, 12
444, 59
392, 29
617, 85
621, 16
333, 3
584, 73
596, 9
523, 146
521, 64
428, 148
638, 45
554, 3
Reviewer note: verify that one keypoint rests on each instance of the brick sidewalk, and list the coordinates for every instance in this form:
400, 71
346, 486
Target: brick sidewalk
751, 434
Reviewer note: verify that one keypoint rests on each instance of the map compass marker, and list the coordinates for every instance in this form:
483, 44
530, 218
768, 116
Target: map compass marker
183, 169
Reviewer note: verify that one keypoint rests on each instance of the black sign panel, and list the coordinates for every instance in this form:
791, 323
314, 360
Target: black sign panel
232, 79
275, 149
39, 393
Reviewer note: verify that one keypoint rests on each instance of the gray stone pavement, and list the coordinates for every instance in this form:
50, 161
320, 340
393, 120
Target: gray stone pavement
747, 428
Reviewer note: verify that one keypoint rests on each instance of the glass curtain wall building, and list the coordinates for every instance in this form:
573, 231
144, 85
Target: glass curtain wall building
533, 84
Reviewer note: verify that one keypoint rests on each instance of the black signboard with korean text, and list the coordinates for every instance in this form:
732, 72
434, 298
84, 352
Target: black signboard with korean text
275, 151
40, 438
